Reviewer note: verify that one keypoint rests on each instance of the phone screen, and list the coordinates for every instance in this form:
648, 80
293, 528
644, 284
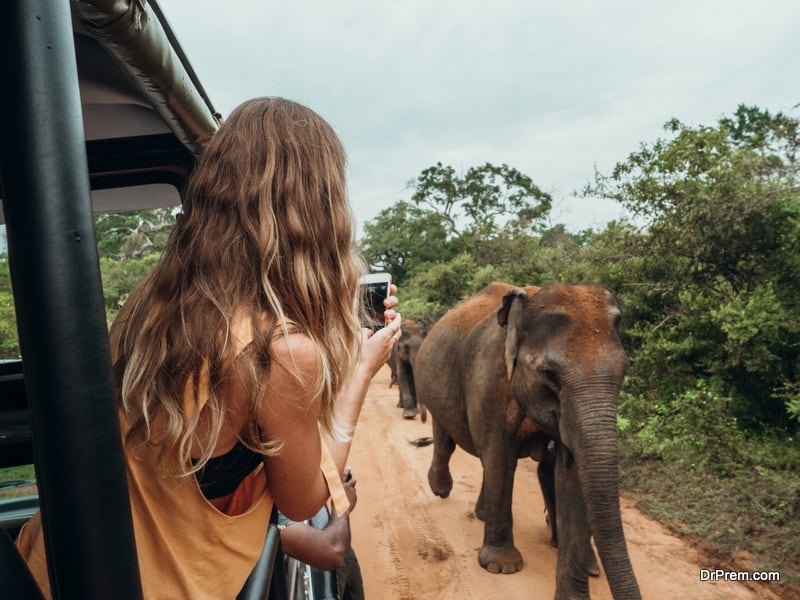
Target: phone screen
376, 294
376, 290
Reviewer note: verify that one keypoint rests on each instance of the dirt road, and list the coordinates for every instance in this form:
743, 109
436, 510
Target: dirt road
415, 546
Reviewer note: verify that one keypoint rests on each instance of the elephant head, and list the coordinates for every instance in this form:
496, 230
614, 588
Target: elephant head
411, 338
565, 364
404, 355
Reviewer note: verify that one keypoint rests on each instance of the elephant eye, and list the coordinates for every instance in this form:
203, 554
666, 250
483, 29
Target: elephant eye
551, 378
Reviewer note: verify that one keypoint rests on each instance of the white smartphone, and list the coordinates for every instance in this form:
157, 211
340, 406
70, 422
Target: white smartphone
375, 289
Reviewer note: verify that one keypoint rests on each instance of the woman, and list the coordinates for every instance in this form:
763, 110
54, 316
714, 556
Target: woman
239, 363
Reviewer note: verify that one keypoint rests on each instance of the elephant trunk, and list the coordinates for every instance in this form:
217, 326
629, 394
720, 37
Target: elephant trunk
595, 447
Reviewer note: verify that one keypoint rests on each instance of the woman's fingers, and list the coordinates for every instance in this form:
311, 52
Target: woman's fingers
393, 325
390, 302
377, 346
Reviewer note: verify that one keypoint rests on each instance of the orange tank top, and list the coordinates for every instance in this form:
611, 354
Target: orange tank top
186, 547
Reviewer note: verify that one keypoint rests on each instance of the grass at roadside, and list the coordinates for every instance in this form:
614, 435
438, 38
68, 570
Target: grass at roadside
748, 517
23, 473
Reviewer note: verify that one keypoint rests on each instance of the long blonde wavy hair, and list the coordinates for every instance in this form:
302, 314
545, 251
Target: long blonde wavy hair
266, 228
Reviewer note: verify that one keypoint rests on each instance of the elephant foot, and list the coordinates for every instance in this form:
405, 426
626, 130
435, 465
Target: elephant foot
410, 413
399, 404
500, 559
441, 481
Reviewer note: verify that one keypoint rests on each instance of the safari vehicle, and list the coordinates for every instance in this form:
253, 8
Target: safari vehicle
101, 112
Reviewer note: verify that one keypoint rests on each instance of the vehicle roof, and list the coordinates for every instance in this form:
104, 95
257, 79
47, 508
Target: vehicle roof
145, 113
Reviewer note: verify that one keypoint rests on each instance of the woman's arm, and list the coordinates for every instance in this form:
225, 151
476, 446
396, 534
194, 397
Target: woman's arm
289, 413
323, 549
327, 548
375, 351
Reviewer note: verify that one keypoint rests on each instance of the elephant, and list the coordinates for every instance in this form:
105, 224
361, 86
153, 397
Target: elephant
401, 361
534, 372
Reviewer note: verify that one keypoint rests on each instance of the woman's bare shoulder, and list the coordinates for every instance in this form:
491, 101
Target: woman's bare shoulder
295, 349
295, 370
292, 395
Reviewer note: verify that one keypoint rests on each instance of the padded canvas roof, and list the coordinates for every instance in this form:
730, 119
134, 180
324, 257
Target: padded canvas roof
145, 113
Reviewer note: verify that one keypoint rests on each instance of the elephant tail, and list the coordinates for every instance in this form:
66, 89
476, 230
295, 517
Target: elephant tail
423, 412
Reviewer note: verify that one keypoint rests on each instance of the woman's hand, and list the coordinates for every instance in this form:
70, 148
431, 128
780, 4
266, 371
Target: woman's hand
390, 302
377, 346
349, 483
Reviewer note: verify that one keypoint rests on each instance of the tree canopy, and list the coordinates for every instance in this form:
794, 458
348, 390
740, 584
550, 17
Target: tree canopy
450, 212
717, 274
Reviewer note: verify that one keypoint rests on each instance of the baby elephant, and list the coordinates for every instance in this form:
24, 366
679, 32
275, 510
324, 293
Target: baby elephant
506, 373
402, 361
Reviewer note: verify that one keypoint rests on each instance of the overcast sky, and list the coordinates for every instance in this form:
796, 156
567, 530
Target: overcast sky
550, 88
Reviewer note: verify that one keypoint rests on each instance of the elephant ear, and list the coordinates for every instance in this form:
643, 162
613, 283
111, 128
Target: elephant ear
510, 317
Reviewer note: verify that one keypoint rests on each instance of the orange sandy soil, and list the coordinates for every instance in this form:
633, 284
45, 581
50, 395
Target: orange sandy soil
413, 545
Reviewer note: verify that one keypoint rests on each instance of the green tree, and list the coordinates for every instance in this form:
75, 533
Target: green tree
714, 273
404, 236
450, 214
721, 202
133, 234
482, 200
120, 277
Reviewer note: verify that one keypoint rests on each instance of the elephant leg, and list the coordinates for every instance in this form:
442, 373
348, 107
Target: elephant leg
396, 366
439, 477
405, 379
412, 390
575, 553
498, 553
546, 473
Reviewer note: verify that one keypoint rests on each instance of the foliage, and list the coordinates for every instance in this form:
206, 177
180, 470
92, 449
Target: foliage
9, 342
133, 234
790, 393
450, 214
20, 480
119, 279
697, 423
438, 288
404, 237
691, 464
129, 245
471, 204
712, 280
